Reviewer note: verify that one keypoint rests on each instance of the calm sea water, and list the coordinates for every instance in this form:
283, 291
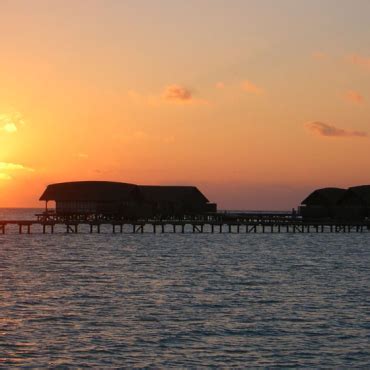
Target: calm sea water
173, 300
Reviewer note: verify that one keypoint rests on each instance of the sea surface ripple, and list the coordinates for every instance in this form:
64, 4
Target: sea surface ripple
174, 300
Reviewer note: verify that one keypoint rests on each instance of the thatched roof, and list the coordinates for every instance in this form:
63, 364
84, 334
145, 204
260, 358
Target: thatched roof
324, 197
358, 195
103, 191
188, 194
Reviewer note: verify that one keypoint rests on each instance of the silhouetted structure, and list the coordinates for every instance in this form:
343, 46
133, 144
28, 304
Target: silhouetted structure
92, 197
115, 200
321, 203
354, 204
351, 204
175, 200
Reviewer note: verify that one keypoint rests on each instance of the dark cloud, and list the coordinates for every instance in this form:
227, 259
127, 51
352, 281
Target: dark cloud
324, 129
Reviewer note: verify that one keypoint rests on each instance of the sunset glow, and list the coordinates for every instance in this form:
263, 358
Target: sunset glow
254, 110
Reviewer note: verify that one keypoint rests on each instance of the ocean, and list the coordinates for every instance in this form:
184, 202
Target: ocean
183, 300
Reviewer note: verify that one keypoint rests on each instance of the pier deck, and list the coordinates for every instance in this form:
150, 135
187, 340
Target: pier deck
255, 224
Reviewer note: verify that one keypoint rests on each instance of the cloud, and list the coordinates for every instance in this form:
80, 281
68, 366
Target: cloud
359, 60
324, 129
252, 88
354, 97
14, 166
171, 94
177, 93
10, 127
5, 176
10, 122
6, 166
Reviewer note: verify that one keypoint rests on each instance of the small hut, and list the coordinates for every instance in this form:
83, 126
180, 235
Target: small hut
321, 204
175, 200
354, 204
92, 198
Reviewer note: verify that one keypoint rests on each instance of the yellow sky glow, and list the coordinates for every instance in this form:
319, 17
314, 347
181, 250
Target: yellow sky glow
253, 112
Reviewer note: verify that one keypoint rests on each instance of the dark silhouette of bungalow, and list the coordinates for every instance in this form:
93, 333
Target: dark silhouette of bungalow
105, 199
321, 203
175, 200
354, 204
92, 197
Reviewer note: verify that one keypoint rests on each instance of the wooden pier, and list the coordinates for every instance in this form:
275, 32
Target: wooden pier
260, 224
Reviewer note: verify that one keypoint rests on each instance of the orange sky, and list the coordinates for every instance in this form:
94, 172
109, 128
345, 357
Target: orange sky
254, 103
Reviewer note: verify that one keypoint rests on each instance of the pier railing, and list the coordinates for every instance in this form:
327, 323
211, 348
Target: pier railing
211, 223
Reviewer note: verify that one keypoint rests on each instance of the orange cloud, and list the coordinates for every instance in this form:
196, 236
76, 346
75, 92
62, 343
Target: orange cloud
324, 129
359, 60
177, 93
220, 85
252, 88
354, 97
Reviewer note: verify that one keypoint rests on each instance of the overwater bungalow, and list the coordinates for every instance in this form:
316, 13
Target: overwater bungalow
175, 200
92, 198
106, 199
321, 204
354, 204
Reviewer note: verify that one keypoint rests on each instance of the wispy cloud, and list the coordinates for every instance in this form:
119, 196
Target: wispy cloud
10, 122
326, 130
177, 93
359, 60
6, 167
354, 97
5, 176
171, 94
250, 87
14, 166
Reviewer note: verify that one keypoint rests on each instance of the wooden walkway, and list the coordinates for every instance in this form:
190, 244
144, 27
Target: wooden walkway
173, 226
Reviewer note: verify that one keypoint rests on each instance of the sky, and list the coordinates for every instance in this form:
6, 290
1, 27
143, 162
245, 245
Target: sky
256, 102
